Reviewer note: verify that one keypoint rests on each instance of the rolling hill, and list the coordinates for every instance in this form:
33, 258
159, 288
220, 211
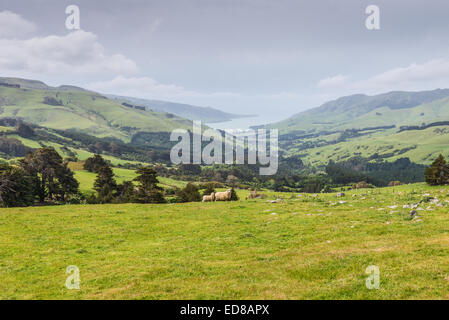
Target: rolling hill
382, 127
68, 107
205, 114
362, 111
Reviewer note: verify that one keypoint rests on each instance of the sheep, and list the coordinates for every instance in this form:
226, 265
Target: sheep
223, 196
253, 194
209, 198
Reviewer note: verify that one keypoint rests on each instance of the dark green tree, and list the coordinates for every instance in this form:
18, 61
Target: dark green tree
24, 130
50, 176
93, 164
105, 185
148, 190
16, 188
125, 192
438, 172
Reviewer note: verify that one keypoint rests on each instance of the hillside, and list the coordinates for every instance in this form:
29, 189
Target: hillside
420, 146
17, 138
383, 127
205, 114
362, 111
68, 107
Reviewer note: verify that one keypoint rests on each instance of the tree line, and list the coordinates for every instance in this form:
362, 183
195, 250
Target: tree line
43, 177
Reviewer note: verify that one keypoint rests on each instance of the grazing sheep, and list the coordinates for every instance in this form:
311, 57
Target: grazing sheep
223, 196
253, 195
209, 198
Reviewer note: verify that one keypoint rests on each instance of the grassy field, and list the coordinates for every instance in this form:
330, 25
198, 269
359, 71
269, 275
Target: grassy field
87, 179
302, 247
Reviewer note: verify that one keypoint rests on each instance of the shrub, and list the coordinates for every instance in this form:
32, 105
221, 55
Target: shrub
189, 193
234, 196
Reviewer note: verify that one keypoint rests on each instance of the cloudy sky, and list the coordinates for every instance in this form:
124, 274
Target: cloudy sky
272, 58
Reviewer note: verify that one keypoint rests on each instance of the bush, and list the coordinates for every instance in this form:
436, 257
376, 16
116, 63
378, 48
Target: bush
189, 193
234, 196
209, 188
394, 183
361, 185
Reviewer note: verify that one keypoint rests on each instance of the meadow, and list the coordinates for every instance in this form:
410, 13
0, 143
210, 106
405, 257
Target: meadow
299, 247
86, 179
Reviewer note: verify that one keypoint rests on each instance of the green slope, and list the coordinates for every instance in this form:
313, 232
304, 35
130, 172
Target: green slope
421, 146
69, 107
205, 114
361, 111
370, 127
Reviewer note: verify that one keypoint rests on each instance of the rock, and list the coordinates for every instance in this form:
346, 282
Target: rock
392, 207
413, 213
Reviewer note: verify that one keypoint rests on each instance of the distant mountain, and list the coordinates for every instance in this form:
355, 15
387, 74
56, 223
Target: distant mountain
69, 107
387, 126
361, 111
205, 114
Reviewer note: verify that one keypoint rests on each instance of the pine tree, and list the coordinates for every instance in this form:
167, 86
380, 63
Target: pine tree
125, 192
105, 185
16, 188
438, 172
94, 163
50, 176
148, 190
